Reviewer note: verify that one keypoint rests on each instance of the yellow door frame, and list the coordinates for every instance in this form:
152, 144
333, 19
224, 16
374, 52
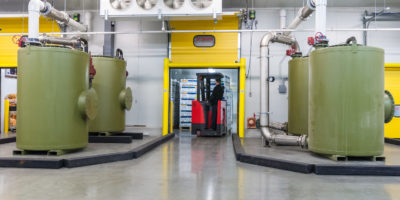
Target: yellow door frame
242, 79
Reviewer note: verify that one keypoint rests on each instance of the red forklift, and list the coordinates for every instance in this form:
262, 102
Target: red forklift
201, 109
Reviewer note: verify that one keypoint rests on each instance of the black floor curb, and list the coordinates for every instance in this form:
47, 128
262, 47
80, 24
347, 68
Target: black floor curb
31, 163
242, 156
96, 159
395, 141
357, 170
84, 160
135, 136
144, 148
319, 169
110, 139
8, 140
132, 135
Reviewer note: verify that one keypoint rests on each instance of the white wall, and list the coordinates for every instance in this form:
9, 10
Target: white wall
145, 53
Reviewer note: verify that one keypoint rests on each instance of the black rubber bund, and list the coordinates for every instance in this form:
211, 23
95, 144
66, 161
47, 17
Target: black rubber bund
242, 156
395, 141
55, 163
110, 139
319, 169
8, 140
115, 137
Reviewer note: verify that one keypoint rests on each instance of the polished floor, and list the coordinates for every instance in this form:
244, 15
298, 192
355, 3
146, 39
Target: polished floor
188, 168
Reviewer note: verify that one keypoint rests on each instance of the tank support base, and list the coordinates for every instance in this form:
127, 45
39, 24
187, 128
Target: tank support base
49, 153
355, 158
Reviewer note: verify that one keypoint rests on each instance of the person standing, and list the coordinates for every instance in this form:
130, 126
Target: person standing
217, 95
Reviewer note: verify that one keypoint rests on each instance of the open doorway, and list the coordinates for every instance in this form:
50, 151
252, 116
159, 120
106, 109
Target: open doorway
183, 90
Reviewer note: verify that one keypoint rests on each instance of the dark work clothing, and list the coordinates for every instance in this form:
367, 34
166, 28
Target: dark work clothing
217, 94
214, 109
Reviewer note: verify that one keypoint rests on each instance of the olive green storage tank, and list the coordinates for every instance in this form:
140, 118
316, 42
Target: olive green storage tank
114, 98
54, 102
298, 96
346, 105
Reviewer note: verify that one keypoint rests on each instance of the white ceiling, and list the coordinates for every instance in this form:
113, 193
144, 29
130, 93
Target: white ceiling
21, 5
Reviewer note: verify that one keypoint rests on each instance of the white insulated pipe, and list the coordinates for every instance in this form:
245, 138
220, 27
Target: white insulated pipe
34, 9
320, 16
283, 16
37, 8
63, 18
302, 15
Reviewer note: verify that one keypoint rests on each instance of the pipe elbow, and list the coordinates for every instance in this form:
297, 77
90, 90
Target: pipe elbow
267, 135
35, 5
267, 39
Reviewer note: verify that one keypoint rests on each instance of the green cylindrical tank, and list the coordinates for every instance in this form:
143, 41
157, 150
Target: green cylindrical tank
298, 96
114, 97
54, 101
346, 103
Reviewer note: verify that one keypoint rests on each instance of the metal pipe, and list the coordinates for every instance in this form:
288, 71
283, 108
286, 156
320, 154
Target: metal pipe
60, 41
207, 31
34, 9
320, 16
283, 15
63, 18
302, 15
284, 38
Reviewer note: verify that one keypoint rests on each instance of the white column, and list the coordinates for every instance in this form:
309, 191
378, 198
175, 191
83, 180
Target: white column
320, 16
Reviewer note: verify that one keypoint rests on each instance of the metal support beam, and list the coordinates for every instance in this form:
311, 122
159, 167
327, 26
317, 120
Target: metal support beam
109, 39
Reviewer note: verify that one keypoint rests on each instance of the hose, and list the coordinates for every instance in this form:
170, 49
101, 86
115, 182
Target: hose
351, 39
119, 54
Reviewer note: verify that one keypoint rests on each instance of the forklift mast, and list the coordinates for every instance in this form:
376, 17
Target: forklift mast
203, 84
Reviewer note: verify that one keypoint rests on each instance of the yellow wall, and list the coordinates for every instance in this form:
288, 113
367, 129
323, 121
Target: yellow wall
226, 44
8, 49
392, 83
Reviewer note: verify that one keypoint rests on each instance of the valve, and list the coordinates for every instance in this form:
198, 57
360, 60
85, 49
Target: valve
318, 40
92, 70
21, 41
293, 52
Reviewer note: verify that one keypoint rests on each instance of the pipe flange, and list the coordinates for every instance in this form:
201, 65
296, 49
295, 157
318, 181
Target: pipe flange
47, 9
303, 141
311, 4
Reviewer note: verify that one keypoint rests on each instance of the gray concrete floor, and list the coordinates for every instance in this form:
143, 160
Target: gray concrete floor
188, 168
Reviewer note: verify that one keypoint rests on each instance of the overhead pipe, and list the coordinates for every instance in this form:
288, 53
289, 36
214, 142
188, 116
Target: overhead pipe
37, 8
34, 9
61, 41
320, 16
283, 16
62, 17
284, 38
302, 15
